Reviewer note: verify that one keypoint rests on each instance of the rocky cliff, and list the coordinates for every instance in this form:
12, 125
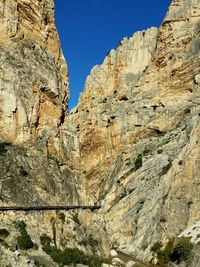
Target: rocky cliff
138, 127
33, 104
132, 142
34, 80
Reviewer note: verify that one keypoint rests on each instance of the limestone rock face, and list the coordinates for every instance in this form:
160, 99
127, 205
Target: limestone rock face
35, 141
38, 147
34, 77
138, 127
104, 118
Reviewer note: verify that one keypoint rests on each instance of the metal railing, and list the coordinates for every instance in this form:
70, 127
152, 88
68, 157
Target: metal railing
46, 208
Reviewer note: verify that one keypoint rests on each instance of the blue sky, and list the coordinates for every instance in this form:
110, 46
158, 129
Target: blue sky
88, 29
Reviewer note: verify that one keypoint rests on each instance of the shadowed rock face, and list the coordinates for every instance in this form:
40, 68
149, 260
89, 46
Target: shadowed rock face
132, 142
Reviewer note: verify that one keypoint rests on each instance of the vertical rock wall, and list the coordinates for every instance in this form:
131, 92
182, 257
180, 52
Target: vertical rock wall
34, 77
138, 127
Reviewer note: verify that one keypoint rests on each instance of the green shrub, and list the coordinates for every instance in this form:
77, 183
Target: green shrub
76, 219
146, 152
72, 256
138, 162
3, 243
165, 169
178, 251
156, 247
61, 216
24, 240
45, 240
20, 225
3, 147
182, 250
4, 233
22, 171
164, 254
92, 242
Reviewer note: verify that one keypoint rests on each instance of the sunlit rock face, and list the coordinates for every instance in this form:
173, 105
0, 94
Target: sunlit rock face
138, 127
34, 77
104, 117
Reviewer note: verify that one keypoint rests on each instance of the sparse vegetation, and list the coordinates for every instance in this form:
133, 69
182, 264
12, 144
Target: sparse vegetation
3, 243
174, 251
190, 202
35, 246
156, 247
37, 264
76, 219
61, 216
182, 250
146, 152
138, 162
164, 254
45, 240
159, 133
163, 219
90, 241
165, 169
4, 233
3, 147
72, 256
121, 196
22, 171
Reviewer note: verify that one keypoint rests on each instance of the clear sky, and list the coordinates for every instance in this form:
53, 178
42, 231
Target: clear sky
88, 29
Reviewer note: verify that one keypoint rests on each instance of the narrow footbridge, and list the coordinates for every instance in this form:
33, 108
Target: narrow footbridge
46, 208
